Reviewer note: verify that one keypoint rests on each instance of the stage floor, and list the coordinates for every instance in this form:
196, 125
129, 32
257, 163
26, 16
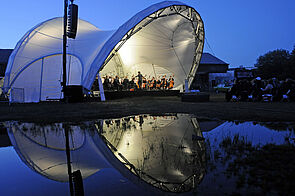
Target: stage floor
122, 94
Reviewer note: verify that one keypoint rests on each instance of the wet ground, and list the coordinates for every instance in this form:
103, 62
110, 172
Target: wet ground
217, 108
250, 159
149, 155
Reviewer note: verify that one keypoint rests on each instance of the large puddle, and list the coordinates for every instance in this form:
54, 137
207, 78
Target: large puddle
147, 155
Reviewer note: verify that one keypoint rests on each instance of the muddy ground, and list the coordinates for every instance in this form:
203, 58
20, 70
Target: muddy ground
216, 108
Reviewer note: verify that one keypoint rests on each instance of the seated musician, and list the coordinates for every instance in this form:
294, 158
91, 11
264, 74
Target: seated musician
132, 84
144, 82
158, 84
171, 82
125, 83
162, 85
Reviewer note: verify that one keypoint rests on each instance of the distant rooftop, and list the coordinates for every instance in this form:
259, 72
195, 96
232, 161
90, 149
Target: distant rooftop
4, 55
208, 58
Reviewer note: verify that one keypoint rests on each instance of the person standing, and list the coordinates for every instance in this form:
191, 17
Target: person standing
116, 83
106, 83
140, 77
256, 89
163, 82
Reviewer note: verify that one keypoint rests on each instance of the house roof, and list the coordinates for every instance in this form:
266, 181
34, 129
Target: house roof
4, 55
208, 58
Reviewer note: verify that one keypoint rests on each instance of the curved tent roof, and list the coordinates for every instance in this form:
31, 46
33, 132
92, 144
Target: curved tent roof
165, 38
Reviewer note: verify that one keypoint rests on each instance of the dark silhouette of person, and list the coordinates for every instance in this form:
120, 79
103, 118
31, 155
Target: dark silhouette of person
106, 83
140, 77
132, 84
125, 83
257, 92
116, 83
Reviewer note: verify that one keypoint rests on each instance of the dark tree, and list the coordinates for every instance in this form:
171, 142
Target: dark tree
277, 63
292, 60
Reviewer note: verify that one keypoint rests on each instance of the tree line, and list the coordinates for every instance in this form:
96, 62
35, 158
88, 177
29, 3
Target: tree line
278, 64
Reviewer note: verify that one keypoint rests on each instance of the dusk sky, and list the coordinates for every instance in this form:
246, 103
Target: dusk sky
237, 31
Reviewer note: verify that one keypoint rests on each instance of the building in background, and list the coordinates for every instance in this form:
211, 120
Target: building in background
4, 56
210, 71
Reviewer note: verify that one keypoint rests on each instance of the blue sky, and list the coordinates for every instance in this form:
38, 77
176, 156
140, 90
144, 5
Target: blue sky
237, 31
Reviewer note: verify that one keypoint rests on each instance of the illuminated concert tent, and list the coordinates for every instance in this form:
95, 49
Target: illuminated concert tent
166, 38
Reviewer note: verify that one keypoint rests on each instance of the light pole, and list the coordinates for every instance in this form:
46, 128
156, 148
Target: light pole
64, 54
70, 30
68, 153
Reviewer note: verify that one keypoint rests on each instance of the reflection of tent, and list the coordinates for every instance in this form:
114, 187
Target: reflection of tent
42, 148
163, 148
165, 38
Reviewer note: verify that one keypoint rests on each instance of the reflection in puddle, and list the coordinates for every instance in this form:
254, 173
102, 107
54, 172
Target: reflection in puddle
147, 155
166, 151
43, 149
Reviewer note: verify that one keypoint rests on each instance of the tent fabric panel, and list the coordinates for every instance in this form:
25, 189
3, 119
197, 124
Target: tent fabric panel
74, 70
51, 83
29, 81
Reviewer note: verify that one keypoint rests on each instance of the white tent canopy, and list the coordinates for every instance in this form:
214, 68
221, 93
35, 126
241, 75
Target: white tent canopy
166, 38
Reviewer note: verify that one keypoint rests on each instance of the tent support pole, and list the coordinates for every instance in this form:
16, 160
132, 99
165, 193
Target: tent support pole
101, 90
41, 79
154, 71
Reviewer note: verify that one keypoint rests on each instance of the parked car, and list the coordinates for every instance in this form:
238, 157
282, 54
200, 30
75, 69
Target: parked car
221, 88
